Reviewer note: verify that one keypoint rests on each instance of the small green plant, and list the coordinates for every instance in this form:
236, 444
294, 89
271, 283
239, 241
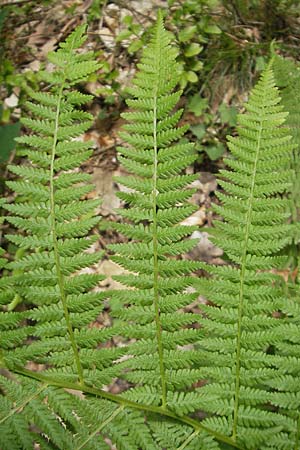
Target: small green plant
192, 24
210, 133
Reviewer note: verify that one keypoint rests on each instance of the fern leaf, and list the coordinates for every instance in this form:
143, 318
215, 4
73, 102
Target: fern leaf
158, 202
252, 233
56, 220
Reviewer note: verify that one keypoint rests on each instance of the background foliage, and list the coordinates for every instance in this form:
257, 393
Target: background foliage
223, 45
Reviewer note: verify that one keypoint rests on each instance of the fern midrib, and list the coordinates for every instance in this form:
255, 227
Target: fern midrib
295, 209
60, 277
129, 403
297, 440
24, 403
188, 440
155, 252
101, 426
241, 291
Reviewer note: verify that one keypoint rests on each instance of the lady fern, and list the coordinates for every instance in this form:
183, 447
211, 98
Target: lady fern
161, 367
242, 351
238, 352
55, 221
161, 363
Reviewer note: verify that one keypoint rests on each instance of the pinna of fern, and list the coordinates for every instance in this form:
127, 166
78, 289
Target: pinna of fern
290, 96
65, 421
160, 367
55, 222
241, 329
287, 397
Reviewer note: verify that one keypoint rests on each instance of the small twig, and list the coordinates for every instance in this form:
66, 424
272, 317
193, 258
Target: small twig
10, 160
135, 13
102, 14
235, 10
20, 2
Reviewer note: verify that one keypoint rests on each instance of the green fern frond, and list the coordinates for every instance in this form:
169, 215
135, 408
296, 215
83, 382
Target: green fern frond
158, 203
55, 221
290, 97
240, 327
65, 421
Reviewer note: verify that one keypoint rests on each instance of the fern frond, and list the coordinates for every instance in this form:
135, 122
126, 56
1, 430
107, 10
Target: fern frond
158, 203
236, 363
55, 220
240, 327
66, 421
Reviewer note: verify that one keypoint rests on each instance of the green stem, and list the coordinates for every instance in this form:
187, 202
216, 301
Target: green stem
60, 277
17, 298
241, 291
155, 258
188, 440
130, 404
103, 425
297, 440
295, 210
24, 403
